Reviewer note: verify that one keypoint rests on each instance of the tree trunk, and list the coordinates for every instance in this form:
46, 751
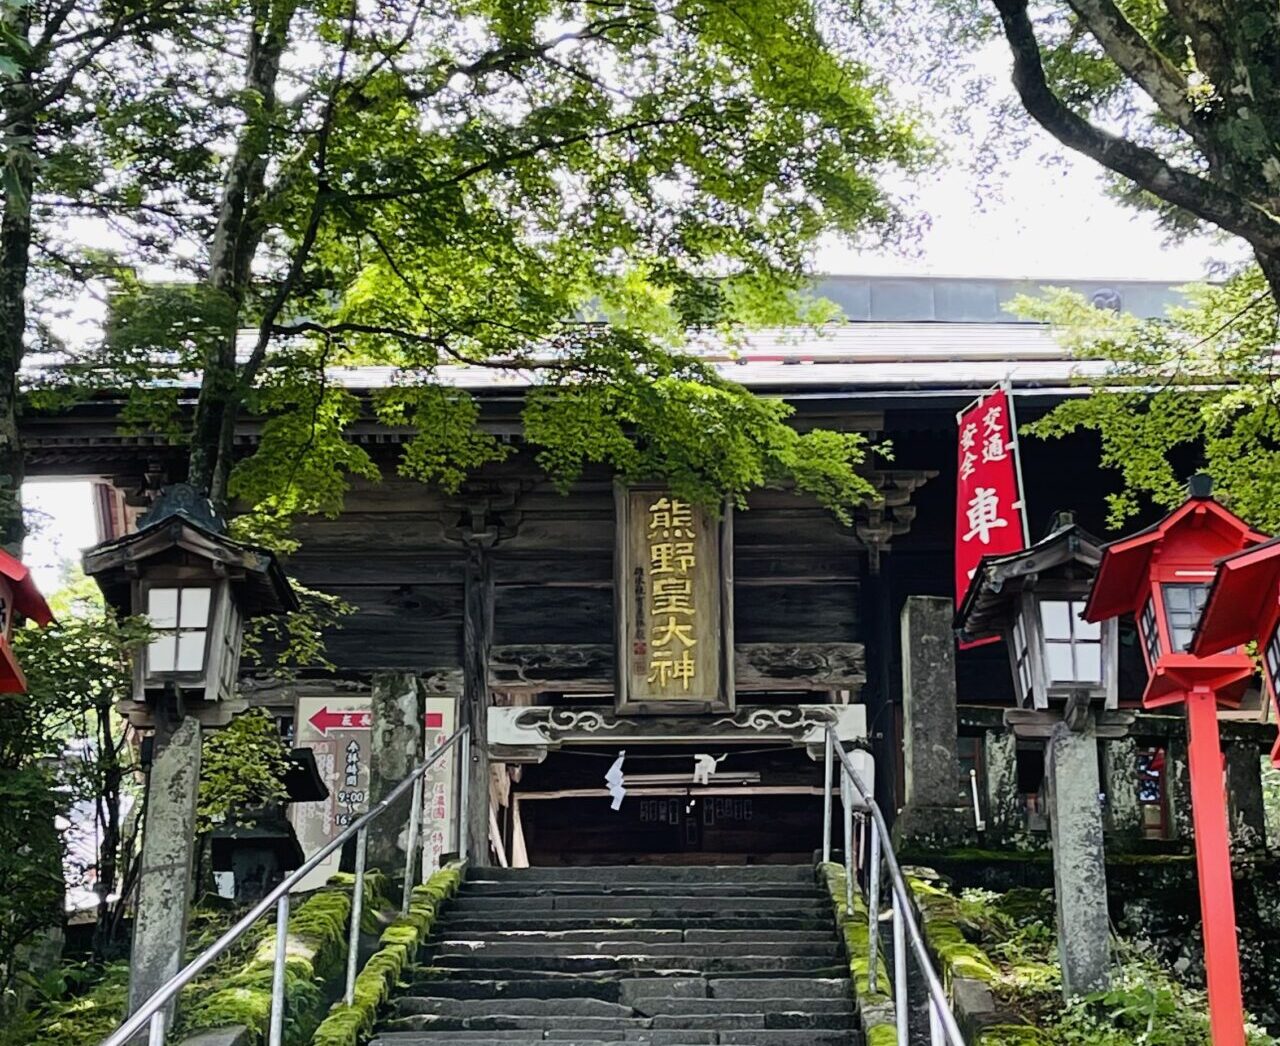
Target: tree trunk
235, 242
15, 259
1269, 263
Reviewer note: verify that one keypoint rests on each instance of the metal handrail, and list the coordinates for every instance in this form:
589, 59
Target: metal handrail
943, 1029
151, 1013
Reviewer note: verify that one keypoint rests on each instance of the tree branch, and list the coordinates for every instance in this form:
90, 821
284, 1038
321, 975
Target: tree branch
1203, 198
1143, 64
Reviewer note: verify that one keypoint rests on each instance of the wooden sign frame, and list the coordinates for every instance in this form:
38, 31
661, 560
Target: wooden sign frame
720, 697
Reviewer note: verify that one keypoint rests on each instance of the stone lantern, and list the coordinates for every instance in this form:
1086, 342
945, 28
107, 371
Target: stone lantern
1065, 676
1163, 575
196, 586
1032, 599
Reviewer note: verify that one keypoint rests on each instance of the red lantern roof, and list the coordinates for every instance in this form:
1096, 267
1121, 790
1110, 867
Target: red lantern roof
1205, 533
1243, 603
27, 599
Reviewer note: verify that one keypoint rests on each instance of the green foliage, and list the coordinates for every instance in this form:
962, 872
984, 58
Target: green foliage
652, 413
1194, 392
284, 644
1271, 801
242, 769
1146, 1004
556, 194
67, 1012
349, 1025
60, 742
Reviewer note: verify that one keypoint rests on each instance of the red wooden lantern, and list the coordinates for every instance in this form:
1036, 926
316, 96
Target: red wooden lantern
1244, 606
1163, 576
18, 595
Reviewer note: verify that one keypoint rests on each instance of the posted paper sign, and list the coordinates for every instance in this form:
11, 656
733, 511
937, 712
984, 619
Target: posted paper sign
337, 729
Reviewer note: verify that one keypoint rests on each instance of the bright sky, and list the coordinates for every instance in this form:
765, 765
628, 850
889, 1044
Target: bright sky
1051, 219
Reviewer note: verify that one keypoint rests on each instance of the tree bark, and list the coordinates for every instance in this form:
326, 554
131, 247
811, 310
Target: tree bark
15, 260
237, 236
1208, 198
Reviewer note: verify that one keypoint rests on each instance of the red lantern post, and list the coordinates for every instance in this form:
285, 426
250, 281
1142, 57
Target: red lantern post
1163, 575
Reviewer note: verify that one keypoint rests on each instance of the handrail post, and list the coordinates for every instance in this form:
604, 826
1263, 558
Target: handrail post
827, 760
846, 802
936, 1037
900, 1014
149, 1014
357, 913
873, 911
276, 1033
464, 791
414, 843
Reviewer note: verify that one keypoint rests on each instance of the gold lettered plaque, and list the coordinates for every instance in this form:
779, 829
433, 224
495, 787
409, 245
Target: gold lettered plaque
673, 592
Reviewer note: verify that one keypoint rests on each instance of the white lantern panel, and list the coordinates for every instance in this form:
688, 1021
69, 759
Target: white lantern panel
162, 607
1089, 662
162, 653
195, 608
191, 651
1087, 630
1055, 618
1058, 656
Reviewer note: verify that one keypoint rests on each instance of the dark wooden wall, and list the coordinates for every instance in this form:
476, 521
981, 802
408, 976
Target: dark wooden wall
395, 554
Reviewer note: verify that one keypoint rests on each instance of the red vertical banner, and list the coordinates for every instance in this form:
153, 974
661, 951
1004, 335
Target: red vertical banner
989, 509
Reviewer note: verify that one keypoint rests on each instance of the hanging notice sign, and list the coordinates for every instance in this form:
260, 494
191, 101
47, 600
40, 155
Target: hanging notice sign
439, 817
337, 729
990, 515
673, 591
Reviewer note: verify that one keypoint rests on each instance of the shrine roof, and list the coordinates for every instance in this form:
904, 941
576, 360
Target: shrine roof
903, 357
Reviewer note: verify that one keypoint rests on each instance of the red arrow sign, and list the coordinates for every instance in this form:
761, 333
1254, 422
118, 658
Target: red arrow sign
324, 720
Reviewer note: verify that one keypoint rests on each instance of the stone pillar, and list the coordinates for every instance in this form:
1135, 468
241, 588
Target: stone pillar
1177, 789
395, 748
1248, 819
1120, 783
1079, 860
164, 882
1004, 807
934, 812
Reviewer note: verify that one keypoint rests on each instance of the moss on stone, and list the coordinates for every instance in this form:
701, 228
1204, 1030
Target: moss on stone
349, 1025
882, 1035
315, 951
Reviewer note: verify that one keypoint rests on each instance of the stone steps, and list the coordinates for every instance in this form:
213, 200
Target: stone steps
624, 889
567, 921
655, 904
696, 956
667, 875
649, 1037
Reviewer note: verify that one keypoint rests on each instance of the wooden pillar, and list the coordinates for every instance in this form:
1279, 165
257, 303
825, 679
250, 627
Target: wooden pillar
477, 640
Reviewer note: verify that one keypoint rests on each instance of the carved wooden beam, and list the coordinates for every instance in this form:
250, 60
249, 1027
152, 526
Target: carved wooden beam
587, 668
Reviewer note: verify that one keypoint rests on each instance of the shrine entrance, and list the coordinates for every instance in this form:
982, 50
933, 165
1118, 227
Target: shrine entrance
739, 789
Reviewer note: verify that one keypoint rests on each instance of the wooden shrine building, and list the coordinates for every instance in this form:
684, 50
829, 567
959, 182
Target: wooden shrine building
506, 596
